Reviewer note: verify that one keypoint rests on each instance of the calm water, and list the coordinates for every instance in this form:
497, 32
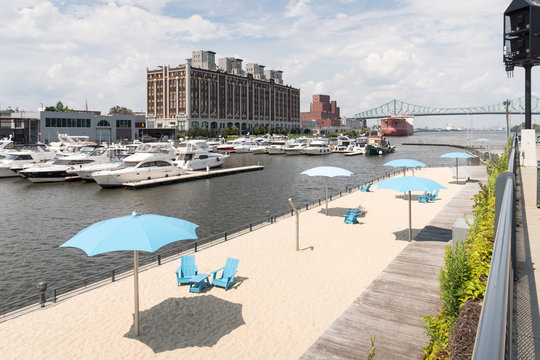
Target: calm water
36, 218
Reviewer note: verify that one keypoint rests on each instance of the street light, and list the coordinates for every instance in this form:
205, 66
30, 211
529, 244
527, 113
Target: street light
507, 103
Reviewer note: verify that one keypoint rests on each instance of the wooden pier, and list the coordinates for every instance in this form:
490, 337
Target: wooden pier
392, 307
191, 176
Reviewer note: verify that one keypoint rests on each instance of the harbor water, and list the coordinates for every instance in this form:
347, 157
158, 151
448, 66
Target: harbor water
37, 218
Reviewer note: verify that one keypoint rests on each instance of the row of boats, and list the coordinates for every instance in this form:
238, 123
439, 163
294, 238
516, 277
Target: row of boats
110, 166
74, 157
374, 144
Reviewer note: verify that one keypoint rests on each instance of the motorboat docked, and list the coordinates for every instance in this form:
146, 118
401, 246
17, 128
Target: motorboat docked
318, 147
378, 145
57, 169
133, 170
114, 156
277, 147
195, 155
344, 144
297, 146
28, 155
260, 147
230, 146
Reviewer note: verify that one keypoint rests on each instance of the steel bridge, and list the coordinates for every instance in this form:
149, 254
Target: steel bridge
398, 107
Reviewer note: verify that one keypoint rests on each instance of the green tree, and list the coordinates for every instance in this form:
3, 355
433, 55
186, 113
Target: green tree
59, 106
120, 110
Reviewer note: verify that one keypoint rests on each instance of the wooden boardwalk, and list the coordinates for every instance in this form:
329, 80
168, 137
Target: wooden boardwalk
191, 176
392, 307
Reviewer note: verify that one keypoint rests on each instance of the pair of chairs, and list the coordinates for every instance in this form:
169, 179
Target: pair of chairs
187, 270
427, 197
351, 217
365, 188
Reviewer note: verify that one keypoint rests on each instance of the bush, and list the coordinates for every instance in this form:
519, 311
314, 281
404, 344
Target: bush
466, 267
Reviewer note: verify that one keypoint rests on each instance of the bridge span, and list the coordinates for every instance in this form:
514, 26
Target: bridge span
398, 107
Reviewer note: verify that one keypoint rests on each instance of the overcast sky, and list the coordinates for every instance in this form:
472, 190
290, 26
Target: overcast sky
361, 53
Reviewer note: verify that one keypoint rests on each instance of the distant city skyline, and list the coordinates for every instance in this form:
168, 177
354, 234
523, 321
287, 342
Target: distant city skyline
361, 53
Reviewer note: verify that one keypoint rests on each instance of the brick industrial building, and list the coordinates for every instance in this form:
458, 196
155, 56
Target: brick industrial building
324, 111
201, 94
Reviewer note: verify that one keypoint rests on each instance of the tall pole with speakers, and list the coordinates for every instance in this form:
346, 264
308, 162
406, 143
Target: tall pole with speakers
522, 43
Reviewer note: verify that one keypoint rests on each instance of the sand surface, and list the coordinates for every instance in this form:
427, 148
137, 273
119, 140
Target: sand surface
281, 303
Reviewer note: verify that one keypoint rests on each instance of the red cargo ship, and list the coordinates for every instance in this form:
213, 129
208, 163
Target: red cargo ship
397, 125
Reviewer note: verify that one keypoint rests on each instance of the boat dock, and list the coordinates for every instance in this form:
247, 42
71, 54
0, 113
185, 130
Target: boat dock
192, 175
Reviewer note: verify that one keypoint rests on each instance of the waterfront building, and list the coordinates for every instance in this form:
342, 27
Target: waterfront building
200, 94
323, 110
33, 126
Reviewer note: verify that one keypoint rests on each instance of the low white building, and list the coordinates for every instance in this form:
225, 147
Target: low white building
46, 125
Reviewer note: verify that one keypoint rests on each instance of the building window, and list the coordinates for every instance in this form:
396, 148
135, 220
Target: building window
123, 123
103, 123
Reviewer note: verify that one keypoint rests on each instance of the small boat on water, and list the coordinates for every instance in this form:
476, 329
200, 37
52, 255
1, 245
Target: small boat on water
277, 147
195, 155
28, 155
56, 169
378, 145
318, 147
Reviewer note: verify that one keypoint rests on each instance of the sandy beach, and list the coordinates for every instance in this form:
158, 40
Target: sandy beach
281, 303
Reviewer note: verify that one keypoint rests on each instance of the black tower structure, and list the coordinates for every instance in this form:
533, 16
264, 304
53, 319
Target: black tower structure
522, 43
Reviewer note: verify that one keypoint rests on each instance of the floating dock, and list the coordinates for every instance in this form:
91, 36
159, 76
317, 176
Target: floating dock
192, 175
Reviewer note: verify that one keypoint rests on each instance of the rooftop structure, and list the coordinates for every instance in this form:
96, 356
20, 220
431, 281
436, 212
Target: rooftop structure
323, 110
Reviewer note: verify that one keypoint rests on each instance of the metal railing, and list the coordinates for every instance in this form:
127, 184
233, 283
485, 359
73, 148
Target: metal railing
53, 294
494, 334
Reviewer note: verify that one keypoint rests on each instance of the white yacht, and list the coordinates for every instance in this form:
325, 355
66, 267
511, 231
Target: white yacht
112, 159
244, 147
195, 155
27, 155
230, 146
137, 168
344, 144
56, 170
277, 147
297, 146
318, 147
260, 147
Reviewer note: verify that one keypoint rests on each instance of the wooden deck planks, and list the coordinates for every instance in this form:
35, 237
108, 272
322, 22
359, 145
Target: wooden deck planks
392, 307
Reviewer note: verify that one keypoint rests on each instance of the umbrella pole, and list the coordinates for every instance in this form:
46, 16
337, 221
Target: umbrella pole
457, 177
326, 196
410, 222
136, 283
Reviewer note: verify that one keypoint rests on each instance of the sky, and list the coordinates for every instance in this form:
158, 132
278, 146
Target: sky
361, 53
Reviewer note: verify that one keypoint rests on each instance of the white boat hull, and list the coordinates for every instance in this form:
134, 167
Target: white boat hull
116, 178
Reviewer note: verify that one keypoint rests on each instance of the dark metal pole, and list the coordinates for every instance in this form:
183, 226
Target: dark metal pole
528, 121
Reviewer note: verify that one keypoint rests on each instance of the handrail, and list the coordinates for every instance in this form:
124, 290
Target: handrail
494, 334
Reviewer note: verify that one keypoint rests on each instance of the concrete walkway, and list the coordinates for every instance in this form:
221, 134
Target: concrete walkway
392, 307
526, 331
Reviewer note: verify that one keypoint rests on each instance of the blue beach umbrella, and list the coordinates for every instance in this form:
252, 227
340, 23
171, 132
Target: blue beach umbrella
457, 156
405, 163
134, 232
408, 184
327, 171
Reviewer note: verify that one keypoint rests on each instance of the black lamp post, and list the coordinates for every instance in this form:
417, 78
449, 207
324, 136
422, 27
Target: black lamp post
522, 43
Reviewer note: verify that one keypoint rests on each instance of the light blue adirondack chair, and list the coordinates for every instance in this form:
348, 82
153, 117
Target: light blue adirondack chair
186, 270
433, 196
365, 188
351, 217
227, 276
424, 198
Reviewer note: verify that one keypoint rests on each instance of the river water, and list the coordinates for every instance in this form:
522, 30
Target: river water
37, 218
